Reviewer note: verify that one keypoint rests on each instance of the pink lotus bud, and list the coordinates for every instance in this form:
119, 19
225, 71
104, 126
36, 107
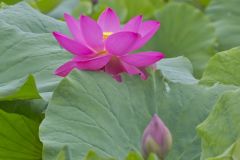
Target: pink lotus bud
156, 138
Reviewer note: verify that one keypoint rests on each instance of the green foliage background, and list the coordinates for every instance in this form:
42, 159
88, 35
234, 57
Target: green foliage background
88, 115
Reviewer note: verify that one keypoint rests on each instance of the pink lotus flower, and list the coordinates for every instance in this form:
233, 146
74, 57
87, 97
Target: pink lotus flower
105, 45
156, 139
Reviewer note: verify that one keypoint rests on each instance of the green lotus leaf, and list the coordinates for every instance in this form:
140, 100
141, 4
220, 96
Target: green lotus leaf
27, 48
135, 156
221, 129
142, 7
91, 155
225, 17
19, 137
177, 69
205, 2
131, 156
19, 90
231, 153
24, 53
197, 3
92, 111
66, 7
11, 1
185, 31
64, 154
45, 6
223, 68
118, 6
30, 20
32, 109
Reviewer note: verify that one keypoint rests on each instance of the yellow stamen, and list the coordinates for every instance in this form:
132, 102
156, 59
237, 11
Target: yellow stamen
103, 52
106, 35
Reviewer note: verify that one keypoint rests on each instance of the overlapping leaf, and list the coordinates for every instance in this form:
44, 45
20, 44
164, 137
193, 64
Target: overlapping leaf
19, 138
220, 131
231, 153
177, 69
19, 90
223, 68
64, 154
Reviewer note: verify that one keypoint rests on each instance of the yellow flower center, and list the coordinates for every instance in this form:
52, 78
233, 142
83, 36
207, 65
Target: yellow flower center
106, 35
103, 52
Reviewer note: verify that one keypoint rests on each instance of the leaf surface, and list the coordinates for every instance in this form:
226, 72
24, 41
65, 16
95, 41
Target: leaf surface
93, 111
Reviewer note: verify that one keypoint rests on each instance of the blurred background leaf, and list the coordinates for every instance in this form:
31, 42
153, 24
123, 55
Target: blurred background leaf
225, 15
10, 2
44, 6
185, 30
201, 4
68, 6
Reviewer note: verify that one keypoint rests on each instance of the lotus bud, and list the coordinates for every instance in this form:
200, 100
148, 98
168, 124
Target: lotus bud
156, 139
